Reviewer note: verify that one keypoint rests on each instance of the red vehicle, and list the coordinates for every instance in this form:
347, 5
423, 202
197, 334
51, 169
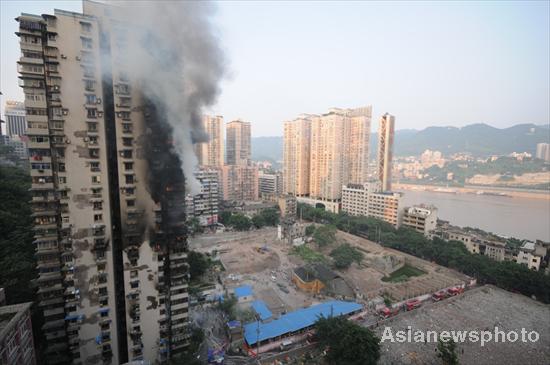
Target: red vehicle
436, 297
412, 304
387, 312
455, 291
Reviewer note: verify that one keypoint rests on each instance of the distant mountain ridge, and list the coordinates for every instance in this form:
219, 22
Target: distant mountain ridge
478, 139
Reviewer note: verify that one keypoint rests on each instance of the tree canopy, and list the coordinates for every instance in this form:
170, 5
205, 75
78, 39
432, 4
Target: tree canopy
325, 235
347, 342
240, 222
344, 255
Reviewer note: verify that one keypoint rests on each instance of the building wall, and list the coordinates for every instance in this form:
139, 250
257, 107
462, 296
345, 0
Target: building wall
367, 200
204, 205
421, 218
296, 155
14, 112
238, 143
543, 151
211, 153
240, 182
385, 150
16, 343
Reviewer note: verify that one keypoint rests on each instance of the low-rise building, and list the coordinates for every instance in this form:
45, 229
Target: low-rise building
493, 249
16, 340
421, 218
292, 232
531, 254
367, 200
288, 206
205, 205
270, 185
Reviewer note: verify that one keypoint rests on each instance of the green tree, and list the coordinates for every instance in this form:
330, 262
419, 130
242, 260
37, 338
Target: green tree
224, 217
198, 264
310, 230
325, 235
270, 216
228, 307
258, 221
195, 225
240, 222
347, 342
446, 351
344, 255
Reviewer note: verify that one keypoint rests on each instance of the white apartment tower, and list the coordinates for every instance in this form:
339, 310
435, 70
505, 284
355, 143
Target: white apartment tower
385, 150
296, 155
14, 111
109, 218
211, 153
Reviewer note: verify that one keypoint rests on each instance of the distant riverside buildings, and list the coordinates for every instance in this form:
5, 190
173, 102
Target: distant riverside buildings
238, 143
211, 153
16, 337
205, 205
421, 218
385, 150
16, 123
543, 151
324, 152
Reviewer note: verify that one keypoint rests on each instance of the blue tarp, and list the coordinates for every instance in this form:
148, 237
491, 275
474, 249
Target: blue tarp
243, 291
234, 324
262, 310
297, 320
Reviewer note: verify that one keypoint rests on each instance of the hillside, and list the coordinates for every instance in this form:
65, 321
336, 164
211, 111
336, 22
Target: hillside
478, 139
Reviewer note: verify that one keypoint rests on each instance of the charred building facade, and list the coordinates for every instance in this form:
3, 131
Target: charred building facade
108, 196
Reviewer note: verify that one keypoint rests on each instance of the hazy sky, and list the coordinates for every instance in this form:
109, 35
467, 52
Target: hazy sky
428, 63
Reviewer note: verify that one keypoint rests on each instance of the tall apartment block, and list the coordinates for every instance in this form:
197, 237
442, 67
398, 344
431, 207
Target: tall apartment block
543, 151
211, 153
385, 150
240, 182
324, 152
238, 143
16, 124
205, 205
296, 155
108, 197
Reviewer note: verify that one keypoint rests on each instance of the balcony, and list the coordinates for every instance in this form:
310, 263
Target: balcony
42, 186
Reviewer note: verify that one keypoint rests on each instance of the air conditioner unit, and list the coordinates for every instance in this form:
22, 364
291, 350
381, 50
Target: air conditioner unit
63, 56
98, 101
56, 87
65, 111
77, 58
68, 141
100, 114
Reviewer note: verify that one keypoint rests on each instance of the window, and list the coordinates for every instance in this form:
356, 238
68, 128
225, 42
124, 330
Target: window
134, 284
128, 165
88, 71
98, 205
93, 140
126, 153
126, 141
91, 99
131, 202
61, 167
98, 217
129, 179
89, 85
94, 166
51, 37
96, 179
91, 113
86, 42
133, 273
62, 179
130, 191
92, 127
126, 128
85, 27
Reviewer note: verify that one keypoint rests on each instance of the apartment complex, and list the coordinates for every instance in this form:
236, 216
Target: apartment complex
337, 152
269, 184
385, 150
543, 151
238, 143
240, 182
421, 218
368, 200
14, 112
205, 205
108, 197
211, 153
16, 339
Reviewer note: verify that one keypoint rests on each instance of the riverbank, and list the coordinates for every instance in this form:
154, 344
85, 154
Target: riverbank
478, 189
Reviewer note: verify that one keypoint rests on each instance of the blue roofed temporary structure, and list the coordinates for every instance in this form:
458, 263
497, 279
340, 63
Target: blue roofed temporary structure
297, 320
243, 291
262, 310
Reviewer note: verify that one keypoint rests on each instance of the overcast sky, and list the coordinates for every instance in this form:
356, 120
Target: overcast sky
428, 63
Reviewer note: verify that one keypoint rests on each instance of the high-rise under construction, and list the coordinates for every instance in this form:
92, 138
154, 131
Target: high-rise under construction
108, 196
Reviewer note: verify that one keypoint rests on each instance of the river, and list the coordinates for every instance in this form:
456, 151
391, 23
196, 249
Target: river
507, 216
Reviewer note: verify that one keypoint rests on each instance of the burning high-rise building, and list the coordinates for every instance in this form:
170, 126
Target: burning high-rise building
109, 147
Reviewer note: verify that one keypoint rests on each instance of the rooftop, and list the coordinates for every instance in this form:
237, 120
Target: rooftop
297, 320
243, 291
260, 307
10, 315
